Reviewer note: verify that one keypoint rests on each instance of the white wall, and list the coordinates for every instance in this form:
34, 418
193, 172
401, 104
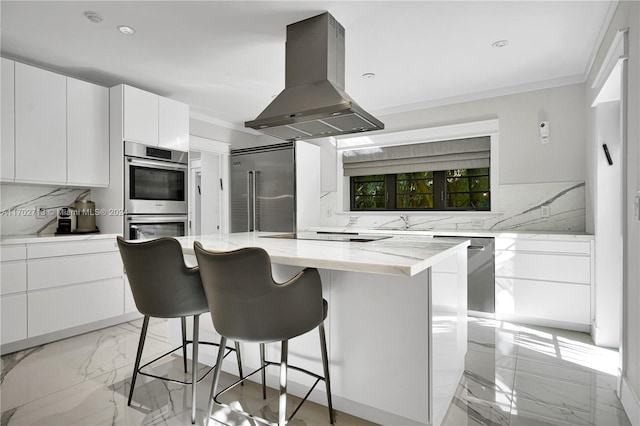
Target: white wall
205, 129
627, 15
522, 158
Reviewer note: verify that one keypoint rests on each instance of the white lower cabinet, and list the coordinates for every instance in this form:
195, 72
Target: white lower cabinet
545, 282
13, 314
49, 287
71, 306
13, 296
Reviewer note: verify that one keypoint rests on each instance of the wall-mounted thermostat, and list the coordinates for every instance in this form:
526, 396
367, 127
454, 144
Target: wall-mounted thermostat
544, 132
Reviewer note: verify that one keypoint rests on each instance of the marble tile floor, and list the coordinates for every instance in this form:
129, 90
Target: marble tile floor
515, 375
85, 381
526, 375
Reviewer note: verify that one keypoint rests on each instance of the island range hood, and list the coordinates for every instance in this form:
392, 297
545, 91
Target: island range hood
313, 103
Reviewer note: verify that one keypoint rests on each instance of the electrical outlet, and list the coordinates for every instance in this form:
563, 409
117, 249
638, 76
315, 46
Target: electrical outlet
353, 220
328, 212
477, 222
545, 211
41, 212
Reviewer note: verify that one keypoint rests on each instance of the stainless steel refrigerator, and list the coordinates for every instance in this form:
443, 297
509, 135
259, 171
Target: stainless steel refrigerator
263, 188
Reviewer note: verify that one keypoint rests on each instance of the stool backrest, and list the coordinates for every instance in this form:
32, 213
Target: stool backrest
245, 302
161, 284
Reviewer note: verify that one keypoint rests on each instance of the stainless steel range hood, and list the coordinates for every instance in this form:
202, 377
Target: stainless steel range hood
314, 103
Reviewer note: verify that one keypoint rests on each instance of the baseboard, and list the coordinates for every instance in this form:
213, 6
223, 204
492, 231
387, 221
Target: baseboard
630, 402
585, 328
20, 345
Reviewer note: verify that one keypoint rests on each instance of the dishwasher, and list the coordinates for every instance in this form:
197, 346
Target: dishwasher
481, 274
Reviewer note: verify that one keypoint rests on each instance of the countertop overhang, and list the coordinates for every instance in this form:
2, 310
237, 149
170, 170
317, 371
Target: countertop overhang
399, 255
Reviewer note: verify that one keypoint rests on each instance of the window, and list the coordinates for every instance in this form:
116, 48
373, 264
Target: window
442, 190
442, 175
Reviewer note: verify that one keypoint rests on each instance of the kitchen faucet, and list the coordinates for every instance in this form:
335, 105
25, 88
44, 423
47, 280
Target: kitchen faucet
405, 218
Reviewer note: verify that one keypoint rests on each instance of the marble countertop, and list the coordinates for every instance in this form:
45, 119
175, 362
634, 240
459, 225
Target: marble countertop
400, 255
533, 235
48, 238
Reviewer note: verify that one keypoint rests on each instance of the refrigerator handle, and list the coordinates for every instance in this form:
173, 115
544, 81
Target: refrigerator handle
249, 200
255, 223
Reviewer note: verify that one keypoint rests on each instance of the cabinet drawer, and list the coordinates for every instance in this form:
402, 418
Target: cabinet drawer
59, 271
545, 267
552, 301
67, 248
13, 317
549, 246
61, 308
13, 252
13, 277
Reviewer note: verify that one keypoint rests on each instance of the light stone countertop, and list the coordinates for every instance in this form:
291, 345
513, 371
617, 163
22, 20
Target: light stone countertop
48, 238
533, 235
400, 255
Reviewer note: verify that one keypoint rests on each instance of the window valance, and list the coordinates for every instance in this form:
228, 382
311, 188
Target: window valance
469, 153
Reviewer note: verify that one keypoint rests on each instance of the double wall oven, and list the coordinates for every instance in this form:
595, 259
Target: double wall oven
155, 191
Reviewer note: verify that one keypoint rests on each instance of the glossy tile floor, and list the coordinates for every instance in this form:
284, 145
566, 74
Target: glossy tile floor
85, 381
515, 375
526, 375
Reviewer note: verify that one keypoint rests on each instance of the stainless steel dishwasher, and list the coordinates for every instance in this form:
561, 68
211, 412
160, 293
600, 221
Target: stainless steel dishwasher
481, 274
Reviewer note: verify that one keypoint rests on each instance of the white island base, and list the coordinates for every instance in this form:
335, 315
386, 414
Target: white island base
396, 339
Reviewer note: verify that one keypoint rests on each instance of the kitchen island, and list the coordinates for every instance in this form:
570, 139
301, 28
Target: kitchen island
396, 339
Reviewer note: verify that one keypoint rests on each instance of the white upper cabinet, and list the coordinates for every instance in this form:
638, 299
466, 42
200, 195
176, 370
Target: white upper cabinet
174, 124
87, 134
140, 115
7, 145
40, 125
150, 119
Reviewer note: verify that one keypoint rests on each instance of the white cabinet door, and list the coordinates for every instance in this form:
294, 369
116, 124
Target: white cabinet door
65, 270
40, 125
7, 147
87, 134
13, 277
173, 124
140, 114
13, 318
65, 307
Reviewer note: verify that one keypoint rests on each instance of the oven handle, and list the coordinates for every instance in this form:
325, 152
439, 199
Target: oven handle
158, 164
156, 219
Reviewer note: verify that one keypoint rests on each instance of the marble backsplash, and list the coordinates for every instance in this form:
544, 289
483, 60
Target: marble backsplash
520, 210
18, 207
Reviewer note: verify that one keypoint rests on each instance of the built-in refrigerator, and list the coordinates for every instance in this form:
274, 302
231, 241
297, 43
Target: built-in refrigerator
275, 188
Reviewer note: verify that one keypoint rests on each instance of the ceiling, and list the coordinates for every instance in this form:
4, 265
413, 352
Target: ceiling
226, 58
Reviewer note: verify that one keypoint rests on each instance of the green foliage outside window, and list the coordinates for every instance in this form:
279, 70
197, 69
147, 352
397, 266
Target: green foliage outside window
459, 189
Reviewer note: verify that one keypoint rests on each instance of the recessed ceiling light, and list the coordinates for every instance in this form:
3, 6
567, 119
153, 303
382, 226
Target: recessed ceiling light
124, 29
500, 43
368, 75
93, 17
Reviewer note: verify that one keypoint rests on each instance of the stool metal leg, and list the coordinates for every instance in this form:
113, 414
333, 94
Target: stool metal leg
216, 377
194, 367
143, 335
325, 366
282, 404
239, 358
263, 373
183, 320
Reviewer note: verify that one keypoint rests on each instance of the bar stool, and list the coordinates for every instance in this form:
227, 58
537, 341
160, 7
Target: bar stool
247, 305
164, 287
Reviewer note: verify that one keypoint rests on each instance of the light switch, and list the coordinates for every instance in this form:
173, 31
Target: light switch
545, 211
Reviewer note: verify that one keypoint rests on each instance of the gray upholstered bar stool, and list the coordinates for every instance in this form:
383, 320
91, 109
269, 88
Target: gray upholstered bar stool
164, 287
247, 305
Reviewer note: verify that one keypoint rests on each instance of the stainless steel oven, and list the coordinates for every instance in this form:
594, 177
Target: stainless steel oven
155, 180
140, 227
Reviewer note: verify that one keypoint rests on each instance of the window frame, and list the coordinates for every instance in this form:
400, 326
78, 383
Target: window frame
439, 187
455, 131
